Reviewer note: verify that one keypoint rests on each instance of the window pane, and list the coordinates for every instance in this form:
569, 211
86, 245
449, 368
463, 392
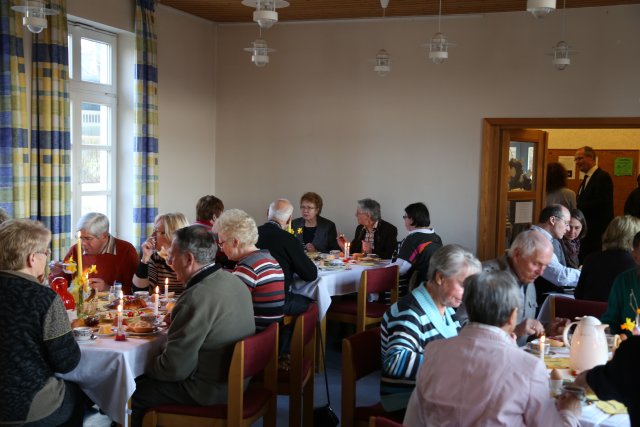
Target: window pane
95, 124
96, 61
94, 204
70, 55
95, 170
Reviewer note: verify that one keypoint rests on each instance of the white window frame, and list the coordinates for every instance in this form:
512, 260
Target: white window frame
81, 92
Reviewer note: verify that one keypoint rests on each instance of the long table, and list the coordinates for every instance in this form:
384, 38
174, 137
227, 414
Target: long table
108, 369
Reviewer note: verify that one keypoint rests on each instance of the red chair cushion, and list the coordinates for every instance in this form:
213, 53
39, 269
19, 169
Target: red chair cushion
571, 308
376, 309
344, 306
255, 397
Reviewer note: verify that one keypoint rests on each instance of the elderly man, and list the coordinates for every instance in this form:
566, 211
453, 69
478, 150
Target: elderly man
116, 260
373, 234
481, 377
211, 315
526, 259
595, 199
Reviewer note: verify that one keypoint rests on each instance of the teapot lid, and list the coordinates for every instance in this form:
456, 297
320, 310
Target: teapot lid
589, 320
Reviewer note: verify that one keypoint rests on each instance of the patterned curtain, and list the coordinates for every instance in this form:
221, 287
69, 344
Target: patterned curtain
14, 145
50, 132
145, 204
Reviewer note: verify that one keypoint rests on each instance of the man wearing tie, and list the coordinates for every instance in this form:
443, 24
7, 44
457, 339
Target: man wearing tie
595, 200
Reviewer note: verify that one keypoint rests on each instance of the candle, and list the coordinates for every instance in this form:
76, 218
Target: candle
79, 250
120, 318
347, 247
155, 303
541, 349
166, 287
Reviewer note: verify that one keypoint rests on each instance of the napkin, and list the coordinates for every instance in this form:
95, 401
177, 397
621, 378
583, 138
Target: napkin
611, 407
557, 362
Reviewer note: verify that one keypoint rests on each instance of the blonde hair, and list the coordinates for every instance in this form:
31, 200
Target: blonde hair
18, 239
237, 224
620, 232
172, 222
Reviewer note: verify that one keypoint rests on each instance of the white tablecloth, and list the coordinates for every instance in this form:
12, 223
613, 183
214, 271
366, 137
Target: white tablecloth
108, 368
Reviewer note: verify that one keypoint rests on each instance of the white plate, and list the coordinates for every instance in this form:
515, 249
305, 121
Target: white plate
87, 342
142, 334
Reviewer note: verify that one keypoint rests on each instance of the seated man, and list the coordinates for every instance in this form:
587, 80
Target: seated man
481, 377
115, 260
212, 314
208, 209
373, 234
525, 260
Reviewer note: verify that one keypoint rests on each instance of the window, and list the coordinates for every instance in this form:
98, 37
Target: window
92, 65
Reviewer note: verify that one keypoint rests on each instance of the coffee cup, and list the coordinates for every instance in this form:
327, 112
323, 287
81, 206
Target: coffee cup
578, 392
555, 386
143, 295
82, 333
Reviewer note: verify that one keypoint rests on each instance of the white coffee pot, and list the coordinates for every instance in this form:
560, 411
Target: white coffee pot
588, 345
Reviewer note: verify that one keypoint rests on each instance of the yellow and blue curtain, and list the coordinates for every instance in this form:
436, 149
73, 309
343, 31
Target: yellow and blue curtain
145, 207
14, 137
50, 130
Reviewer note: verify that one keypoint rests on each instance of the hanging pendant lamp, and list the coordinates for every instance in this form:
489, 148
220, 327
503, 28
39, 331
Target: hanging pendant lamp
35, 15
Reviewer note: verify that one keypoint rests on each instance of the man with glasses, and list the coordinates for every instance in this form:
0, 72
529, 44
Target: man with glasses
554, 223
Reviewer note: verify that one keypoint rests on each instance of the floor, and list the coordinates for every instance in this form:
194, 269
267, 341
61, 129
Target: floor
368, 390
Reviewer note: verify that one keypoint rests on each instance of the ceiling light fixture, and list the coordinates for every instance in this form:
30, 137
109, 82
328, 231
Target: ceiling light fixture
562, 51
382, 65
259, 52
265, 14
540, 8
439, 45
35, 15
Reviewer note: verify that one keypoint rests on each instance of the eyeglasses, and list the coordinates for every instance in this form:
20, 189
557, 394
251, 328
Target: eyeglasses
566, 221
46, 252
405, 216
307, 208
88, 238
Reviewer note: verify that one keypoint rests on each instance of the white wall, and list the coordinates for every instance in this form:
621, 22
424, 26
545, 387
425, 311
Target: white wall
317, 117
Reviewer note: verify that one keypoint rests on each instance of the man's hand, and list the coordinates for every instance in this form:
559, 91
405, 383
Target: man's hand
529, 327
581, 381
556, 327
341, 241
98, 284
570, 402
310, 247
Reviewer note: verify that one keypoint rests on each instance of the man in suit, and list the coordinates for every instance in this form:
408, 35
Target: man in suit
595, 200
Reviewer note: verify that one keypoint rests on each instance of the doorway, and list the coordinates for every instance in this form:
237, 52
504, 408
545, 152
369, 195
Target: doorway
494, 194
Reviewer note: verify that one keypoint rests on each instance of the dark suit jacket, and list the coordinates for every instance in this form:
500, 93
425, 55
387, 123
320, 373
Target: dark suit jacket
385, 239
596, 203
288, 251
326, 235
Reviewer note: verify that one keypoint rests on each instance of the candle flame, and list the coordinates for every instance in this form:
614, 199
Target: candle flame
120, 307
157, 290
166, 282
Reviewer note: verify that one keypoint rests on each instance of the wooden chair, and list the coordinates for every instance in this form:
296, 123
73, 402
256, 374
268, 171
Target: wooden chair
383, 422
358, 310
360, 357
251, 356
298, 382
570, 308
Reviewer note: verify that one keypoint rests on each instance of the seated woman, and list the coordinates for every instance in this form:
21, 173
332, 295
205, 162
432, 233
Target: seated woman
237, 236
424, 315
601, 268
153, 270
37, 339
570, 243
624, 295
416, 249
518, 180
316, 233
481, 377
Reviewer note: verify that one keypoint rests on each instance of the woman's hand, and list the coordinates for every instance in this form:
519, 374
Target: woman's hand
147, 249
310, 247
570, 402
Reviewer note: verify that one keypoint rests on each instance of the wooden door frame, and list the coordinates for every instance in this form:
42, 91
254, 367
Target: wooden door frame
490, 184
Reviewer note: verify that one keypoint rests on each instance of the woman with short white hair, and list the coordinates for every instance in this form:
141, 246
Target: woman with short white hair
237, 237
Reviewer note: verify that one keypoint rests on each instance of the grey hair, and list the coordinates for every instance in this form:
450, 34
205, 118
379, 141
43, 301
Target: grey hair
528, 242
4, 215
282, 214
237, 224
490, 297
93, 223
370, 207
198, 241
449, 260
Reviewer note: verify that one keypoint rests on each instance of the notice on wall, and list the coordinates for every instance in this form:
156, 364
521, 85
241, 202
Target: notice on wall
524, 213
623, 166
569, 165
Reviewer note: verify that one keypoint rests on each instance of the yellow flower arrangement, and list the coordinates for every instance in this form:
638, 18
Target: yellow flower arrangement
628, 325
299, 231
79, 280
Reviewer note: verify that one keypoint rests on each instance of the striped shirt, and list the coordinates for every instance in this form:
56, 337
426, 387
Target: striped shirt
406, 329
264, 277
158, 272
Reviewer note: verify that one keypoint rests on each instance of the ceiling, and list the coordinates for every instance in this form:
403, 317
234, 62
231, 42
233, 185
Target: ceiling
304, 10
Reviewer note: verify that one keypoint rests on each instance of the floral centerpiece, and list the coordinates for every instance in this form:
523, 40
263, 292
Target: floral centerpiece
632, 325
80, 289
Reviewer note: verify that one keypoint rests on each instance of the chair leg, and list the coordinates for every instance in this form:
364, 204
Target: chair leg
150, 419
307, 403
272, 413
295, 404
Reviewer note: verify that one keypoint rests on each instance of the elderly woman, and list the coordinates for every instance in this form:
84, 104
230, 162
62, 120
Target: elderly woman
416, 249
238, 234
570, 243
601, 268
115, 259
316, 233
36, 336
425, 315
153, 270
481, 377
373, 234
557, 191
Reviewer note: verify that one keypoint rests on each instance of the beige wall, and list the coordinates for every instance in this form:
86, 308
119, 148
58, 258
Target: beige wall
317, 118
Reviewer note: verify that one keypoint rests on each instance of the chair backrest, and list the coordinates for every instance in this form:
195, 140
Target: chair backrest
303, 341
258, 350
570, 308
382, 422
381, 279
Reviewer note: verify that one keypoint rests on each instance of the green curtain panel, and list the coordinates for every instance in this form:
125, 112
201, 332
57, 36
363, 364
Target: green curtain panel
50, 131
145, 204
14, 137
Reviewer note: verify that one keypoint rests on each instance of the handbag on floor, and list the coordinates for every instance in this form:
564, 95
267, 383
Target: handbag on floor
324, 415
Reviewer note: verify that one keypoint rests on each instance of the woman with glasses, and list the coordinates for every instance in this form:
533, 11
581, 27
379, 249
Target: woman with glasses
316, 233
36, 337
570, 243
153, 270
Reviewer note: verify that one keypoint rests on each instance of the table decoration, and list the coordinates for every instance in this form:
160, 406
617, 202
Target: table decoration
120, 335
166, 287
156, 302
